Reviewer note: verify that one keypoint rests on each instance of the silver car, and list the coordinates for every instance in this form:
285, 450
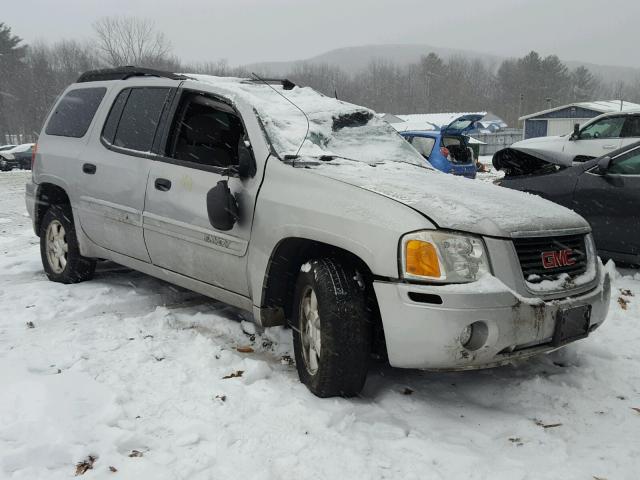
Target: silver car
308, 212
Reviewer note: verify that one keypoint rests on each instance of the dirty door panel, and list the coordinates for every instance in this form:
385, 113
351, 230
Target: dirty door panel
201, 143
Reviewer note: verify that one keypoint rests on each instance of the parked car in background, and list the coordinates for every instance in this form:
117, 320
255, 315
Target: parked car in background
17, 157
605, 191
447, 149
219, 185
596, 138
6, 147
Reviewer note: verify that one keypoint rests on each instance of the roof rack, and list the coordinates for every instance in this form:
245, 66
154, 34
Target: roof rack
122, 73
285, 82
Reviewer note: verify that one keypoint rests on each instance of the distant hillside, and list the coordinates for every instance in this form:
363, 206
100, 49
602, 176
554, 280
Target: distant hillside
354, 59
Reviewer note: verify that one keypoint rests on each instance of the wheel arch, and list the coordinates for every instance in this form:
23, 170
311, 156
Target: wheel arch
48, 194
282, 271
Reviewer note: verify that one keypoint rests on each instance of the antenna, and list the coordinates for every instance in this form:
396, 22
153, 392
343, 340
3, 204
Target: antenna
257, 77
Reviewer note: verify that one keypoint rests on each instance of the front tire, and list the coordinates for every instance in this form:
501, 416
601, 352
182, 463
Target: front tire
59, 248
332, 329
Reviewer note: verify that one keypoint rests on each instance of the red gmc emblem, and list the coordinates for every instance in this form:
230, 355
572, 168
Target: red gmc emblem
559, 258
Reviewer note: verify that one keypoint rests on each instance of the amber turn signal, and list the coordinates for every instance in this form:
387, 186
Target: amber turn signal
422, 259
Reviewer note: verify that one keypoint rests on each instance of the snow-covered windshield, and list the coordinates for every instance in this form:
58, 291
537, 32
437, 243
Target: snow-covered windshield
336, 128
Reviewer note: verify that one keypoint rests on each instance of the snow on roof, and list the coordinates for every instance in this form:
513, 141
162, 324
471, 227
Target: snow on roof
602, 106
428, 121
20, 148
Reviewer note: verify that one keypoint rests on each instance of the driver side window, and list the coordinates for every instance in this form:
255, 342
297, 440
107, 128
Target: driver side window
609, 127
628, 164
205, 132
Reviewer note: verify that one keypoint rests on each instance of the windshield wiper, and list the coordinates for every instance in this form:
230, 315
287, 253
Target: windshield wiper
322, 158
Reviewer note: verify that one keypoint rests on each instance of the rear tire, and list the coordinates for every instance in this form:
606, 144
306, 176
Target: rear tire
59, 248
332, 329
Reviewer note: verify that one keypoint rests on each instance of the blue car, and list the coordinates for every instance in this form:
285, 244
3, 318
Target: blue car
447, 148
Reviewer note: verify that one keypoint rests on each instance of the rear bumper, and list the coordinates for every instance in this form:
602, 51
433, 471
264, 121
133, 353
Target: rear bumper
30, 201
468, 171
426, 335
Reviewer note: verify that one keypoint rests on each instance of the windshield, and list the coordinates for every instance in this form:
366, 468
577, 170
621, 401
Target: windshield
335, 128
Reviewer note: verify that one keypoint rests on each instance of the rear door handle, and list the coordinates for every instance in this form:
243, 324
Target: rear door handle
609, 147
89, 168
162, 184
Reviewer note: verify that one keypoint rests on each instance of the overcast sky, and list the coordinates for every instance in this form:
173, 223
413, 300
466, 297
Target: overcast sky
244, 31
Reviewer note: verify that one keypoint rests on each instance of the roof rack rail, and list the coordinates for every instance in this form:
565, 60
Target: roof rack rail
122, 73
285, 82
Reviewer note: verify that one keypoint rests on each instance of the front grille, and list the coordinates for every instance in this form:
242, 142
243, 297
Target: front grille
534, 252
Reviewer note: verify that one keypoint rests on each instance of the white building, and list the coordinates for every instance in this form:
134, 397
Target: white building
560, 120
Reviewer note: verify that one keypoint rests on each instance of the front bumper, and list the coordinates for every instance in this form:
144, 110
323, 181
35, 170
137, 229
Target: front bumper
466, 171
426, 335
6, 165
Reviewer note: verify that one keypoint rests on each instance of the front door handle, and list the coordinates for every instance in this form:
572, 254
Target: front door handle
609, 147
89, 168
162, 184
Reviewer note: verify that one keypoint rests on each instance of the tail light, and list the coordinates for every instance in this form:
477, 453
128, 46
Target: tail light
445, 152
33, 155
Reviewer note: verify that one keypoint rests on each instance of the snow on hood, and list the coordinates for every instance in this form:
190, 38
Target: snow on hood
454, 202
335, 127
549, 149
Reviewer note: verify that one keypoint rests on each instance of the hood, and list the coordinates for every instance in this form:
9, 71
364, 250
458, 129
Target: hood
549, 149
462, 124
456, 203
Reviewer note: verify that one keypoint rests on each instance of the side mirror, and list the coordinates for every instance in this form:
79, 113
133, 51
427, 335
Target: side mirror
576, 132
246, 160
222, 207
603, 165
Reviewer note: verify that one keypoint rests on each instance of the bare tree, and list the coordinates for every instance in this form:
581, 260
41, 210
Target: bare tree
132, 41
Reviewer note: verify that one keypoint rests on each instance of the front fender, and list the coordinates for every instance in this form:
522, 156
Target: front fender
295, 202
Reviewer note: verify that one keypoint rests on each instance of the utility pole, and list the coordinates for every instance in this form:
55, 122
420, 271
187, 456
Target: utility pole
520, 107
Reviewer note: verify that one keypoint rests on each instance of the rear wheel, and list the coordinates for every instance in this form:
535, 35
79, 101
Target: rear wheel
59, 249
331, 329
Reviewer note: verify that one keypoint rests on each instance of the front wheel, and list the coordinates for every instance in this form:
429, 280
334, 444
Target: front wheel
331, 329
59, 248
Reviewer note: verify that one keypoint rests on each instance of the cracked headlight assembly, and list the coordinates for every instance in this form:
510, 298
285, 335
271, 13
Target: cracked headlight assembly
443, 257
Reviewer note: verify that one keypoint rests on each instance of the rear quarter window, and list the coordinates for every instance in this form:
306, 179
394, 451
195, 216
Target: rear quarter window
74, 112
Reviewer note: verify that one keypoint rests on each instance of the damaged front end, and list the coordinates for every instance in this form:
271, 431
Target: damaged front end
515, 162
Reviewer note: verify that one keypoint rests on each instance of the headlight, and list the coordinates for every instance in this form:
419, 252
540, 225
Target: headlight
443, 257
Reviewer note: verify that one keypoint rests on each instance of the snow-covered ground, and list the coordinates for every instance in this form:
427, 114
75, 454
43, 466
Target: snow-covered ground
130, 371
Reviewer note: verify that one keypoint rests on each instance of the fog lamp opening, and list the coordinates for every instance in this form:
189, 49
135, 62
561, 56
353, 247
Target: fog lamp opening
474, 336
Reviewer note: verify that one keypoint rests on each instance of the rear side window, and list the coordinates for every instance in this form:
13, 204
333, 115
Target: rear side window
134, 118
111, 124
73, 114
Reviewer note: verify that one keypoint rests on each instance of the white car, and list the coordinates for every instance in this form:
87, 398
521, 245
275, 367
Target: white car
596, 138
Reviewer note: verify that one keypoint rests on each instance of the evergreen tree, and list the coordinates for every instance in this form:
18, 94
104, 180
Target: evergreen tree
11, 71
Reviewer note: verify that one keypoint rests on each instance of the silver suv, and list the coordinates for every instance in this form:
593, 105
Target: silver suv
309, 212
